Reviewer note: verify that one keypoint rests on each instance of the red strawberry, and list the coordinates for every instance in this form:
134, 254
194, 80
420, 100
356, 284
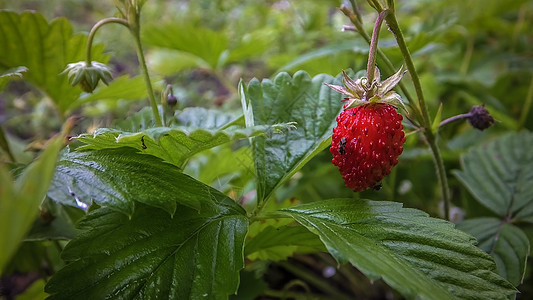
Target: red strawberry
369, 134
366, 144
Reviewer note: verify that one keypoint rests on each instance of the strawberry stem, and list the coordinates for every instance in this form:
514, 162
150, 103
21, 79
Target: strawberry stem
146, 75
371, 66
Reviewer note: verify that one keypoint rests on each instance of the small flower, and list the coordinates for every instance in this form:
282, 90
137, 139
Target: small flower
88, 76
362, 92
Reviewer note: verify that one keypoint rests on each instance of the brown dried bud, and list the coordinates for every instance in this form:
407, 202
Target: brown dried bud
480, 117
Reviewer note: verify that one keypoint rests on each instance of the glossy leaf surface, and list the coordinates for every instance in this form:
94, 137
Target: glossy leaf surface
505, 242
118, 178
192, 255
301, 99
172, 144
417, 255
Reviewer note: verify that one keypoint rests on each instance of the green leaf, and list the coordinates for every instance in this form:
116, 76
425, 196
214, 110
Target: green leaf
177, 144
278, 243
417, 255
45, 49
499, 175
122, 87
436, 121
19, 200
309, 103
118, 178
7, 75
505, 242
203, 43
193, 255
169, 61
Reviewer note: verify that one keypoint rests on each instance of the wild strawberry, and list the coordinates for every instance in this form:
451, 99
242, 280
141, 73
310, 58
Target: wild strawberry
366, 144
368, 138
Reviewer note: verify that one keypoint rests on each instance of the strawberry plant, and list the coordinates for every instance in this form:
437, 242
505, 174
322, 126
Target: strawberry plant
243, 201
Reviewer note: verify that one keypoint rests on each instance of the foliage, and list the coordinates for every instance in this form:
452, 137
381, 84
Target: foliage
241, 198
498, 174
20, 199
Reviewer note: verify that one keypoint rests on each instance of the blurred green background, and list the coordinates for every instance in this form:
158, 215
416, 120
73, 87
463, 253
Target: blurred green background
468, 52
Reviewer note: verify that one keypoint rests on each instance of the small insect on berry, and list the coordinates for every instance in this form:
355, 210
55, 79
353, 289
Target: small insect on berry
342, 145
142, 143
377, 187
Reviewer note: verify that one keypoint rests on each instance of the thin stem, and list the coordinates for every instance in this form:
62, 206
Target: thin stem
395, 28
135, 30
93, 33
441, 176
356, 11
376, 5
455, 118
371, 66
314, 280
